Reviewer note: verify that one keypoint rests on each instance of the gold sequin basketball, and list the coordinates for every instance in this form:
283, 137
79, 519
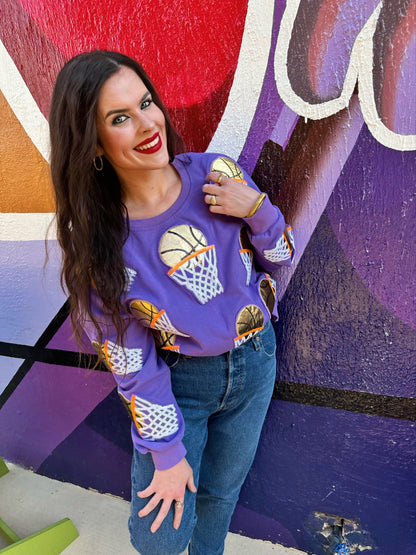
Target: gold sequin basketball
227, 167
250, 318
179, 242
144, 312
267, 293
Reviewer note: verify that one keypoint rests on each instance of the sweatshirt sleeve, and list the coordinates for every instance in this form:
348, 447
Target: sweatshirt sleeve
144, 386
271, 237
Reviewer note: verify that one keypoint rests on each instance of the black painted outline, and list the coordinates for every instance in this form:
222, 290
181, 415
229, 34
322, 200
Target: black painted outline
388, 406
39, 353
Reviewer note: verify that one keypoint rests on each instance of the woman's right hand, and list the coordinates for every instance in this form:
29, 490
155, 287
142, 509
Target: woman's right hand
168, 486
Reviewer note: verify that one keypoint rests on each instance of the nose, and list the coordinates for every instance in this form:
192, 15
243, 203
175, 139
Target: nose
144, 121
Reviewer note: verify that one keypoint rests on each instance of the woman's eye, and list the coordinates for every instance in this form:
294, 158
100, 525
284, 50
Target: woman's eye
119, 119
146, 103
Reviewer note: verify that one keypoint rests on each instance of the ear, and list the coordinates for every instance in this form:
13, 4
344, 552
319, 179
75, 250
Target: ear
98, 151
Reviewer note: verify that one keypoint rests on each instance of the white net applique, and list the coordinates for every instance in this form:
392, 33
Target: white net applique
154, 421
162, 323
122, 360
130, 275
282, 251
247, 258
198, 273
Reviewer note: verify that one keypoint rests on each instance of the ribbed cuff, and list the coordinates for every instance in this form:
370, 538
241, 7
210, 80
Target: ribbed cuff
264, 217
167, 458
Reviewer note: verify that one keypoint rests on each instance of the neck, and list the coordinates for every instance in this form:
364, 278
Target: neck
151, 193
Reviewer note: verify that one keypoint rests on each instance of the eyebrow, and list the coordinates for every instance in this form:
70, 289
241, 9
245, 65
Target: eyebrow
120, 110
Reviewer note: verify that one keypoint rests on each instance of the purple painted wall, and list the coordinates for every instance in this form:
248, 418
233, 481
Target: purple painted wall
319, 95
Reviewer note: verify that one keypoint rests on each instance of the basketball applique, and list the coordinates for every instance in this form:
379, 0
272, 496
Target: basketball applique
153, 421
100, 348
121, 360
150, 317
267, 288
246, 253
249, 320
193, 264
284, 248
228, 167
166, 341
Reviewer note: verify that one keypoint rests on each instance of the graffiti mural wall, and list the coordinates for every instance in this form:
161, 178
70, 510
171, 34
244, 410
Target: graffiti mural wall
316, 99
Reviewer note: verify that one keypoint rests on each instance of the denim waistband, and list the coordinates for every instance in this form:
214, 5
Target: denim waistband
164, 352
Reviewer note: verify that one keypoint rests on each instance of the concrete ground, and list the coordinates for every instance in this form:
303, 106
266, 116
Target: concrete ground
29, 502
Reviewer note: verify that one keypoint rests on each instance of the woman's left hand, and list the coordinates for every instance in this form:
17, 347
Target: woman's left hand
168, 486
230, 197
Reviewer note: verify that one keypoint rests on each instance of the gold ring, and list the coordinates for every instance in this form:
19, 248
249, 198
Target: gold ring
179, 504
213, 200
220, 178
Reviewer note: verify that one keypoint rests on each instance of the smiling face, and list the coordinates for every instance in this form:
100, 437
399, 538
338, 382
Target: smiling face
130, 126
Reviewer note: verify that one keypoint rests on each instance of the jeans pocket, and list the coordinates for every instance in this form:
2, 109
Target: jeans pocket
267, 341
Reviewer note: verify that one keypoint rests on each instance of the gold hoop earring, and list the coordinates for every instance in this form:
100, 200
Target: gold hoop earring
101, 163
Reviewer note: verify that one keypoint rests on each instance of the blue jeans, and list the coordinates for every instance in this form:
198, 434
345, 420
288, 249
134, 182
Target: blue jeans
224, 400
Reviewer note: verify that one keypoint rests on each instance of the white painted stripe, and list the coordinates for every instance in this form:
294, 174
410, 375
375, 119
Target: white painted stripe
283, 84
27, 226
360, 67
23, 104
235, 123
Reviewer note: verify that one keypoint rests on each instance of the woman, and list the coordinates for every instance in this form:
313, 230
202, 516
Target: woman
164, 258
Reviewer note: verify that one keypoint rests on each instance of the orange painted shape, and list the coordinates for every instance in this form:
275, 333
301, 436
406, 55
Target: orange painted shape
25, 183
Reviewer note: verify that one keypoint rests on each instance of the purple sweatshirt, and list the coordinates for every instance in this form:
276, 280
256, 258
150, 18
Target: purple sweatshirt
193, 288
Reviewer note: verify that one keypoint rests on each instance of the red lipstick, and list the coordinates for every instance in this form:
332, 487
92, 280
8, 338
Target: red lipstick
150, 145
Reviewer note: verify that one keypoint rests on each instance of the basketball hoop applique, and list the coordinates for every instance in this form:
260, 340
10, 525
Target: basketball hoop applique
121, 360
246, 253
193, 264
166, 341
153, 421
150, 317
249, 321
247, 258
284, 248
130, 275
126, 404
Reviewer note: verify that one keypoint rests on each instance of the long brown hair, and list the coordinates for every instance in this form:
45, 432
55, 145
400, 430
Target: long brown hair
92, 221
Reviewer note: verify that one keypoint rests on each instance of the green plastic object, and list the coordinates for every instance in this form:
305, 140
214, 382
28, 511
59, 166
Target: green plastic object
49, 541
3, 468
8, 533
52, 540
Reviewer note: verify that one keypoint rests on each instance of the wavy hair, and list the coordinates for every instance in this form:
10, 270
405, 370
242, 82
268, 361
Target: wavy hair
92, 220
